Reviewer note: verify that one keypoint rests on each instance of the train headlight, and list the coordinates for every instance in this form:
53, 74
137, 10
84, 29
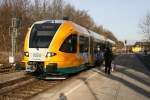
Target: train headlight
26, 54
50, 54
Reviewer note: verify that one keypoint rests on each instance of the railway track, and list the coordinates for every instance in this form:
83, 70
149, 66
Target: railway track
22, 88
6, 69
12, 84
28, 90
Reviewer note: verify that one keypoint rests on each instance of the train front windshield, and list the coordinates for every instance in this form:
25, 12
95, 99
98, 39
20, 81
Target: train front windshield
42, 34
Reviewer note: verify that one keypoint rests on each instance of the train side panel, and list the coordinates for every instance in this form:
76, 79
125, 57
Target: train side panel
65, 62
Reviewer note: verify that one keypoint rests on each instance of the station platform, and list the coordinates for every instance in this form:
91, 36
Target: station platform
123, 84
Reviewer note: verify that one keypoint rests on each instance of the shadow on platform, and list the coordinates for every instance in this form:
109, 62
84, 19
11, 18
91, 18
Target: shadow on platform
133, 62
127, 83
90, 89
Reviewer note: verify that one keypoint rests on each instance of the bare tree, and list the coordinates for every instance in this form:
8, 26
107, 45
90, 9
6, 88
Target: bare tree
9, 9
33, 10
57, 9
145, 26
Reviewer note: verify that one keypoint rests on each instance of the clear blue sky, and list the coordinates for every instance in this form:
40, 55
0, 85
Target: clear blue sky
122, 17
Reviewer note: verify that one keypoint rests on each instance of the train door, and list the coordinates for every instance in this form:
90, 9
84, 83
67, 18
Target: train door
69, 48
91, 51
84, 49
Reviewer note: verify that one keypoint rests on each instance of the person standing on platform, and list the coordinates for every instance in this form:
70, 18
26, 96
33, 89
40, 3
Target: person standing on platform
108, 56
85, 56
99, 57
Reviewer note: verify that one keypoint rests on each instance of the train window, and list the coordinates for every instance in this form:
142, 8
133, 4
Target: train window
84, 44
42, 34
70, 44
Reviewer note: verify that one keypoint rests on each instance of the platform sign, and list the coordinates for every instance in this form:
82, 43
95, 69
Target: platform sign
11, 60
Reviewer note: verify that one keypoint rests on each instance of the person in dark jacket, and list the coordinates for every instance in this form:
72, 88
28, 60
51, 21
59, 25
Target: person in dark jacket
108, 56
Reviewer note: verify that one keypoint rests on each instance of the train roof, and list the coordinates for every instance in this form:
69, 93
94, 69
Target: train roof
110, 41
82, 30
97, 36
49, 21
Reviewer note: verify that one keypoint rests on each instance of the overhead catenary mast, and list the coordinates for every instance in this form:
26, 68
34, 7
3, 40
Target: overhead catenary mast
15, 23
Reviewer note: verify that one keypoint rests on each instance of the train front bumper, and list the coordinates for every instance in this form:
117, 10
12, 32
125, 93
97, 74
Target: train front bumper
51, 68
45, 67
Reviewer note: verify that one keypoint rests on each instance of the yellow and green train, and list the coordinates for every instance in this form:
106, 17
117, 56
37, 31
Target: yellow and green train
59, 46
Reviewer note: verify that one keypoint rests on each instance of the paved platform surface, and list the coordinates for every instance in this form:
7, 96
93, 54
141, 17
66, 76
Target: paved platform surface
123, 84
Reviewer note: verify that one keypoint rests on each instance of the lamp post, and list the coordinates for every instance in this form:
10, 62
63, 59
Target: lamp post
125, 46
